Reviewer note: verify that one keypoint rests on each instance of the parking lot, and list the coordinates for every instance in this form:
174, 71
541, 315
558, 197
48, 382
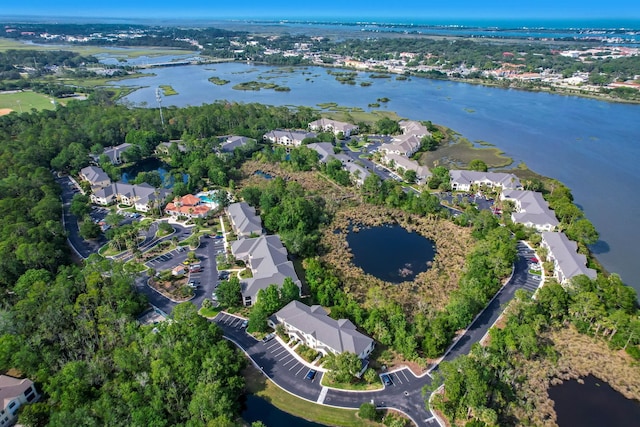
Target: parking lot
273, 359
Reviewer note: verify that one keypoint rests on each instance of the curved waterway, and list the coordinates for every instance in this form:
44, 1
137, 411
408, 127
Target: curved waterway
591, 146
391, 253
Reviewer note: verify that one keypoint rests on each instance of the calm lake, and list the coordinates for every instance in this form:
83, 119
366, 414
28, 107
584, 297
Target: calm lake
593, 404
591, 146
391, 253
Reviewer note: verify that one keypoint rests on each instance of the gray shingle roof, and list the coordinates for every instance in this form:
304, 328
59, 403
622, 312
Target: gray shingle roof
340, 335
114, 153
244, 219
94, 174
268, 260
565, 253
532, 208
504, 180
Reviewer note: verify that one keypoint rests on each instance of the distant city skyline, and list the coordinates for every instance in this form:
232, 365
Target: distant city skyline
358, 10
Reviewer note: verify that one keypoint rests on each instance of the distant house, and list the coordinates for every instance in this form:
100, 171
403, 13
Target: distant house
313, 327
266, 256
188, 206
95, 176
231, 142
333, 126
288, 137
142, 196
409, 142
115, 153
14, 393
567, 262
325, 153
163, 147
462, 180
244, 220
410, 127
405, 145
531, 210
402, 164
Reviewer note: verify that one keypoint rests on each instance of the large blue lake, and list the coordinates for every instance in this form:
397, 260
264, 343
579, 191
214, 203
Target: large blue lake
591, 146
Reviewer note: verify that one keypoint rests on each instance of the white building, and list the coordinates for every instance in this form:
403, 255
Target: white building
313, 327
531, 210
288, 137
333, 126
13, 394
567, 262
462, 180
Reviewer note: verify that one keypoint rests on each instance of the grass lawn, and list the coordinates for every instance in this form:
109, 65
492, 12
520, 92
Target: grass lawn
25, 101
134, 52
209, 312
258, 385
360, 116
461, 152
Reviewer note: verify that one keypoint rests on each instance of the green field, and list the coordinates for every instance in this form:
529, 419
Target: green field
459, 153
25, 101
134, 52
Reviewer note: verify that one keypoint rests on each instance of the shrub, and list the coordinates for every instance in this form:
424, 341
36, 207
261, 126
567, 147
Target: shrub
368, 411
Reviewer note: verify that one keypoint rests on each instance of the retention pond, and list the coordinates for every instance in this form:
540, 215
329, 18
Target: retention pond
391, 253
593, 404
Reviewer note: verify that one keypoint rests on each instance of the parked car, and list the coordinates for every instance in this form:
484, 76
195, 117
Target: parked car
244, 324
194, 268
268, 337
310, 375
386, 379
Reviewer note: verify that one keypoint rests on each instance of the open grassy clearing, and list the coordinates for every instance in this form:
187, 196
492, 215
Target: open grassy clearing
460, 152
168, 90
430, 288
133, 52
25, 101
257, 384
579, 356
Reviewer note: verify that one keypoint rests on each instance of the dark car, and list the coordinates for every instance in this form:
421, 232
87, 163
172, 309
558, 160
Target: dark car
310, 375
386, 379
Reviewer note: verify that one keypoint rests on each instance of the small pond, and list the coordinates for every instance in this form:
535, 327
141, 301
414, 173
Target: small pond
593, 404
149, 165
258, 409
391, 253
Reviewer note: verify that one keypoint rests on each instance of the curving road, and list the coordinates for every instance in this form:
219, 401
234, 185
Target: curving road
278, 363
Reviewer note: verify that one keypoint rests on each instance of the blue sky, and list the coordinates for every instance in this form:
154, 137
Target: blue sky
418, 10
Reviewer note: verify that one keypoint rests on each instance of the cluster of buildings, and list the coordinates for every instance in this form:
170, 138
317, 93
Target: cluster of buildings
14, 393
188, 206
530, 210
267, 258
265, 255
143, 197
397, 153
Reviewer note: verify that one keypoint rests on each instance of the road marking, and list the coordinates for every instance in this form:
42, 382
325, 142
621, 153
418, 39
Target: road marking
274, 344
293, 366
286, 363
429, 420
278, 352
300, 370
405, 375
398, 378
323, 394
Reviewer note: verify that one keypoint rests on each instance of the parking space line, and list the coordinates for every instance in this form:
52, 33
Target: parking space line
398, 378
289, 361
405, 376
294, 365
279, 352
274, 344
299, 370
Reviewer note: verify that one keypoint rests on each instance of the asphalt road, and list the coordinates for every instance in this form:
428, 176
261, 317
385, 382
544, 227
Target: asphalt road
277, 362
521, 279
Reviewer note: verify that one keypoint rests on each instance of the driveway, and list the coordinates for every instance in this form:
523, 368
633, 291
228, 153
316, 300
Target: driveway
521, 279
